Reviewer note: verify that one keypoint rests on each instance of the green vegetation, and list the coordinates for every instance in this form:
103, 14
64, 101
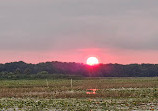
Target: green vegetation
102, 104
57, 94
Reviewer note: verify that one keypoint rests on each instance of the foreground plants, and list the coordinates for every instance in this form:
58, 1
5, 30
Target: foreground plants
78, 104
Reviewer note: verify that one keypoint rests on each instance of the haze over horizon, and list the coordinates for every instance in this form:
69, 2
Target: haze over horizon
114, 31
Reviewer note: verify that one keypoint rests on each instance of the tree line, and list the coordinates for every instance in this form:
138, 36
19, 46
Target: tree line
65, 69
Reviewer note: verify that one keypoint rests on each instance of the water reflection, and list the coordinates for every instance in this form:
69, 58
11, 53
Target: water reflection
91, 91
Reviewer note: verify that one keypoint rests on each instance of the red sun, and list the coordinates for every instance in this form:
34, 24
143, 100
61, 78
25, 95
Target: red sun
92, 61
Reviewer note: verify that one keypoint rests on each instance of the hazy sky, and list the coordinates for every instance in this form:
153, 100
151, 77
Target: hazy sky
115, 31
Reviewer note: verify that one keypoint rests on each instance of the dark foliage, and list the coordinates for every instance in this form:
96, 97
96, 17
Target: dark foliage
52, 69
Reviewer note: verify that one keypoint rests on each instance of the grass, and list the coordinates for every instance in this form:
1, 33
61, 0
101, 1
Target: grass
78, 104
113, 94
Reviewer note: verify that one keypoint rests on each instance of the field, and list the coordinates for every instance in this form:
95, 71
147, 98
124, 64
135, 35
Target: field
62, 94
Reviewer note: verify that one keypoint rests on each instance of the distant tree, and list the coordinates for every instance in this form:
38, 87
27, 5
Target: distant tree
10, 73
43, 72
4, 73
17, 71
27, 71
71, 68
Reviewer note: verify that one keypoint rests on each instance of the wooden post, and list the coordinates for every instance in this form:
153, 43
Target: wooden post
47, 83
71, 83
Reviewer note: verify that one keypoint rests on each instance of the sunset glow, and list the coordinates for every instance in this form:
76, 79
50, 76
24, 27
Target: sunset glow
92, 61
97, 28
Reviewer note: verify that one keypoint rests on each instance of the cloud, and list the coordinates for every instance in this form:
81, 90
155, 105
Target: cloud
37, 25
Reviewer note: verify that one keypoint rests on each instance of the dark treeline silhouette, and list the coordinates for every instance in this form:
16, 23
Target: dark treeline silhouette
63, 69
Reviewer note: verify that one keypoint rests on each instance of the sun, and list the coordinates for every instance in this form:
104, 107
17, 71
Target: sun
92, 61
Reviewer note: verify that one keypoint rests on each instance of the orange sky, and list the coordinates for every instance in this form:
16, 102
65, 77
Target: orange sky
81, 55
